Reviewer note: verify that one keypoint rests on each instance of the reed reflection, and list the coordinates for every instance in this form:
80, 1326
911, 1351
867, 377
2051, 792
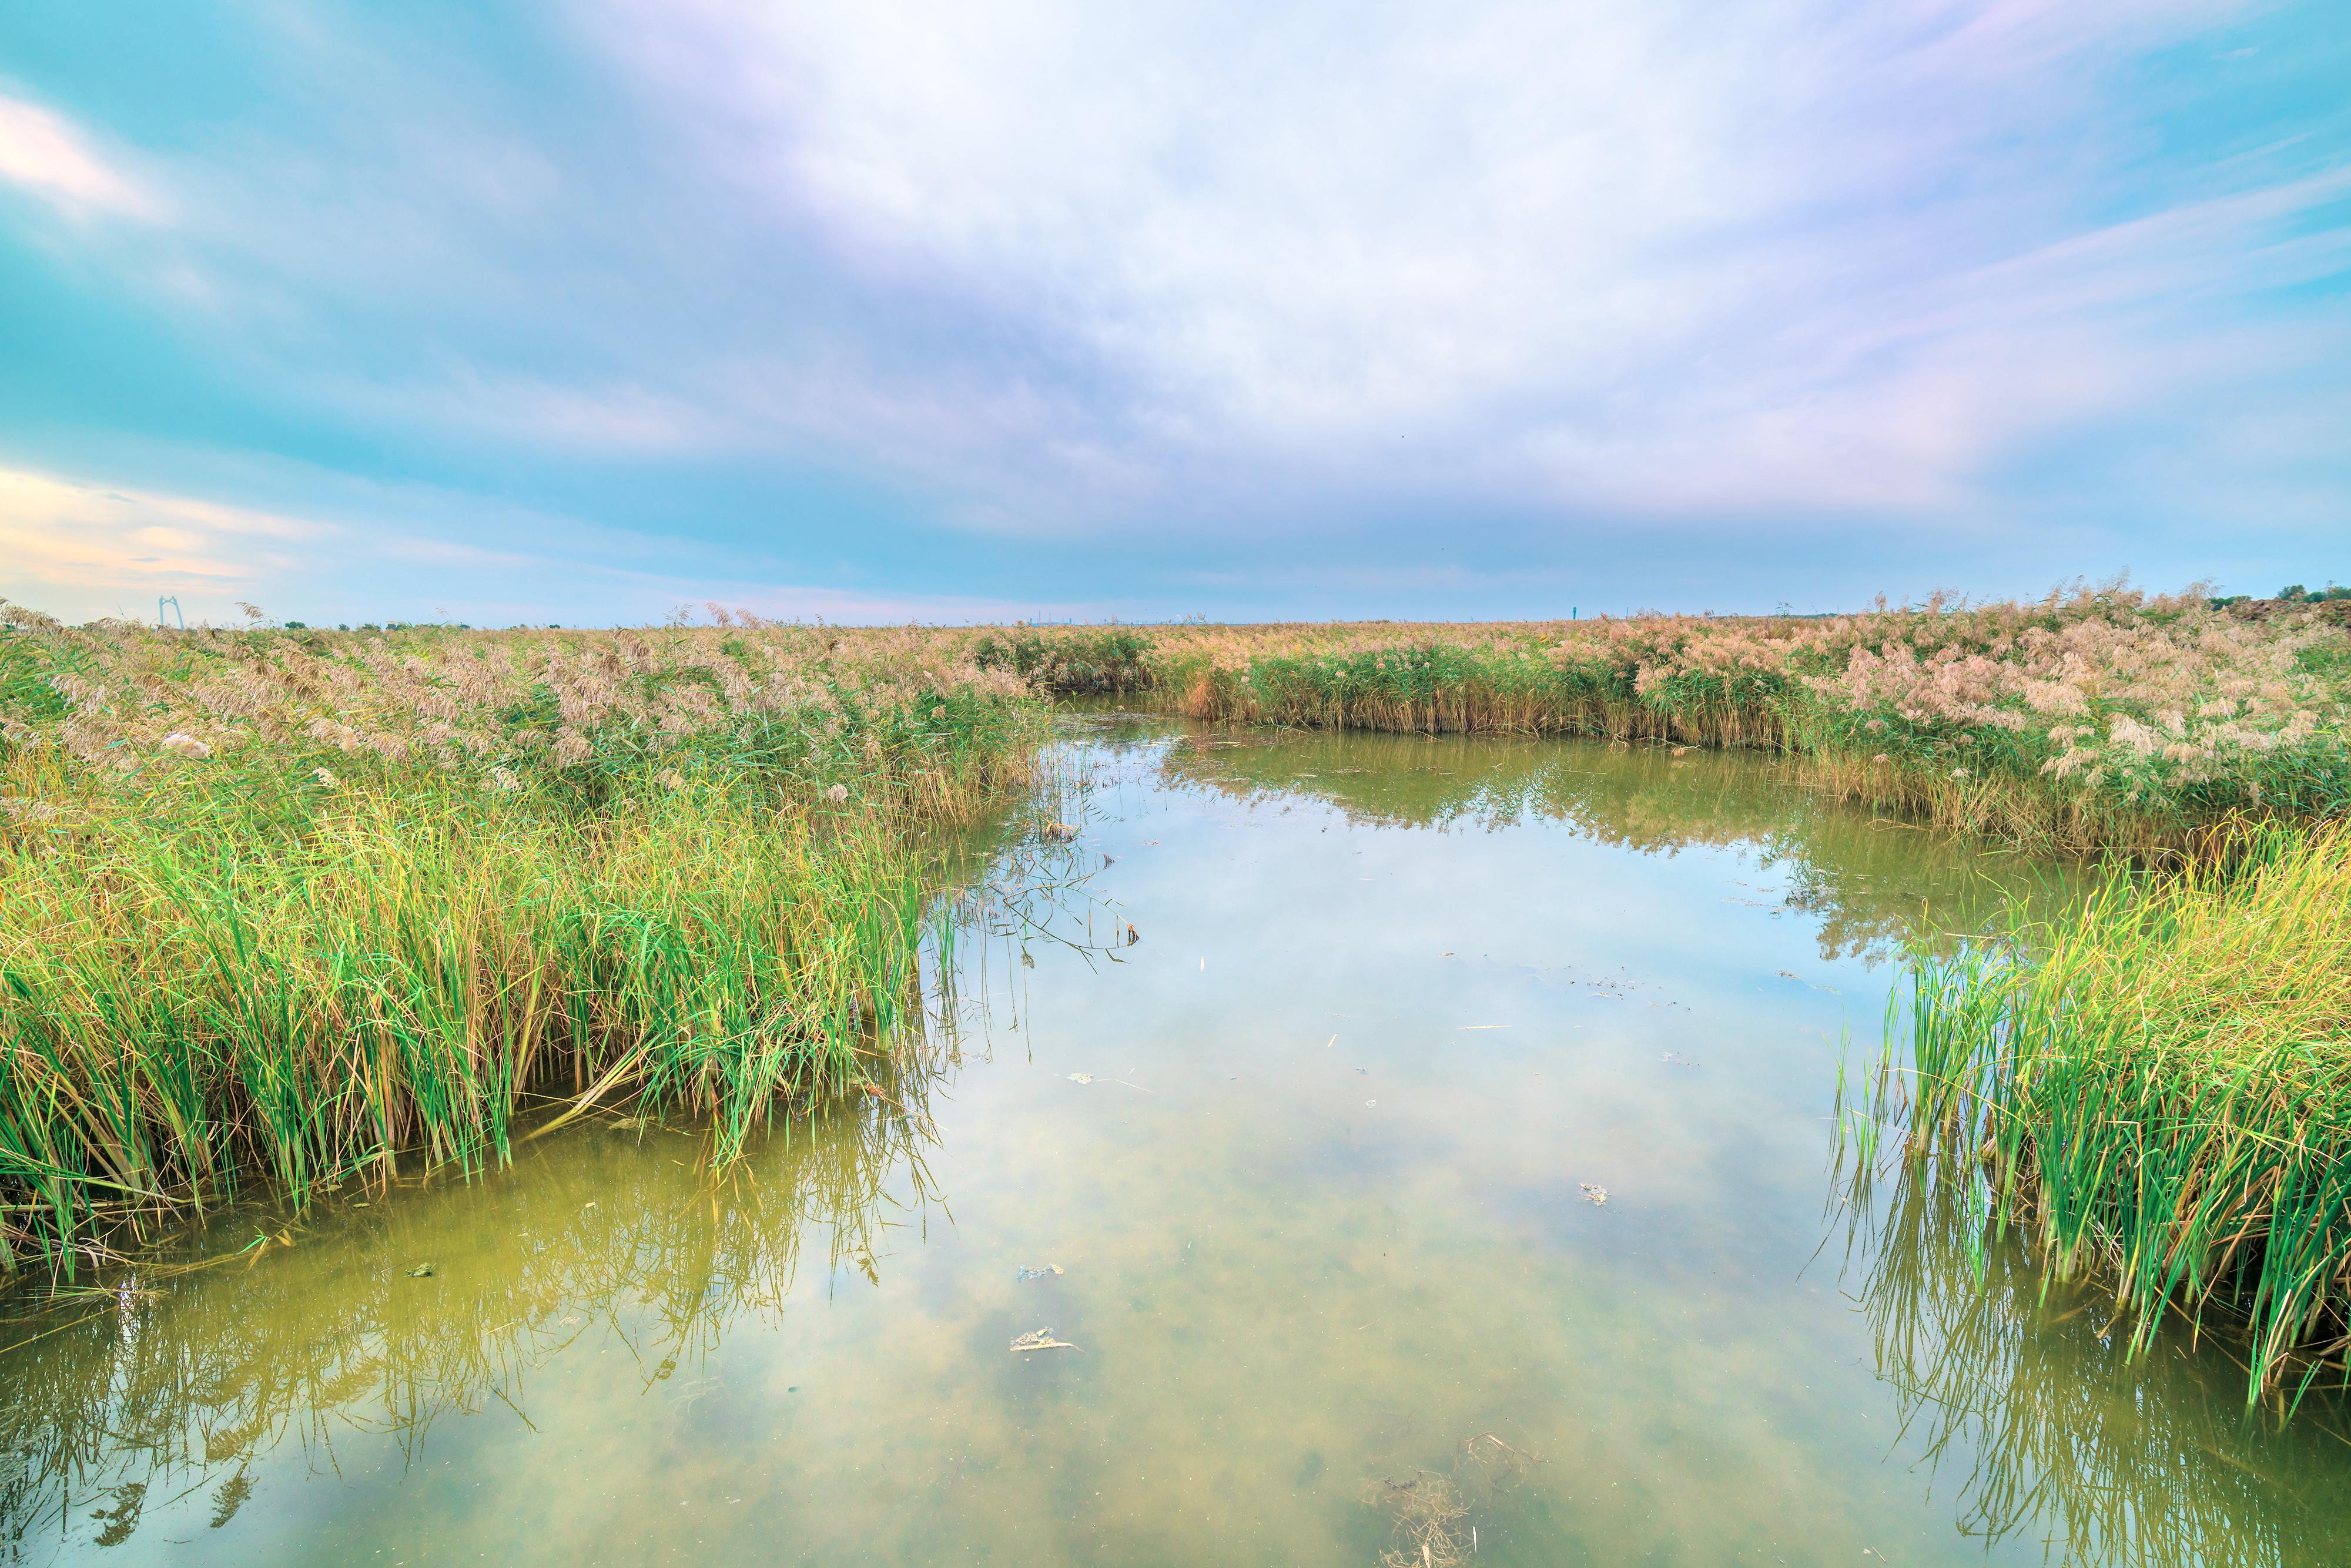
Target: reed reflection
1874, 884
386, 1312
2017, 1398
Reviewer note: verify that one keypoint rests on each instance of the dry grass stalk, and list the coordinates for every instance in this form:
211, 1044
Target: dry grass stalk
1430, 1513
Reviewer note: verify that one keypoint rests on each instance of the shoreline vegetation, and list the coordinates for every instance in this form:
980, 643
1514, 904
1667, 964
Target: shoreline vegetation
2098, 720
2153, 1089
298, 904
301, 901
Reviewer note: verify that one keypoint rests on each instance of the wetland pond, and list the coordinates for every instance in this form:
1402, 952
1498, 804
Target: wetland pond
1448, 1171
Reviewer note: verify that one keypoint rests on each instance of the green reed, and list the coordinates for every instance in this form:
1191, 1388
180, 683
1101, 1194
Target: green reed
304, 960
2155, 1089
2099, 719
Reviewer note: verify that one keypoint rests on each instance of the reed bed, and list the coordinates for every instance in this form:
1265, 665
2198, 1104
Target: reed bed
2154, 1090
304, 903
2096, 718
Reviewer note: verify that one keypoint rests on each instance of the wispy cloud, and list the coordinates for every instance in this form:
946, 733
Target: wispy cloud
1103, 306
93, 544
80, 548
43, 153
1656, 257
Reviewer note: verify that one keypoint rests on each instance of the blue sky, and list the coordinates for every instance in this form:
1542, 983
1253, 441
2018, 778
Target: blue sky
956, 310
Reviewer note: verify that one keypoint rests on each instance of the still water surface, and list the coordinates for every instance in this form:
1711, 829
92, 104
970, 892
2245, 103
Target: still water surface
1305, 1179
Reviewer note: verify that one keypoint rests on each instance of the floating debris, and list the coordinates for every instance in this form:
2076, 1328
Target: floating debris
1090, 1078
1042, 1340
1042, 1271
1059, 833
1428, 1514
1133, 936
1594, 1194
421, 1272
1675, 1058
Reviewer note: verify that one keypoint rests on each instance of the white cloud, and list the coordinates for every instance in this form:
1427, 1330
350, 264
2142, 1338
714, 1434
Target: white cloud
47, 155
75, 548
1662, 256
623, 418
1219, 279
63, 537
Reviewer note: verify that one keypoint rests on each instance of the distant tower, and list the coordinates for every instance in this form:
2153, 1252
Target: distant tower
174, 600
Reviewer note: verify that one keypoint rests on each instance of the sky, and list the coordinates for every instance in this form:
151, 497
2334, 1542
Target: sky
959, 309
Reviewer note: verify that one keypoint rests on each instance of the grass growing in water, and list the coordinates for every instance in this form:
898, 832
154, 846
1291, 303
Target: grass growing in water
2157, 1089
300, 904
2095, 718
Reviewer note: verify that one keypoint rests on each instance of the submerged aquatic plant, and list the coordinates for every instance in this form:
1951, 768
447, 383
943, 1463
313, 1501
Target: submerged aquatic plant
1430, 1522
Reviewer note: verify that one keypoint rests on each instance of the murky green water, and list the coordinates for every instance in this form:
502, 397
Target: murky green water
1301, 1176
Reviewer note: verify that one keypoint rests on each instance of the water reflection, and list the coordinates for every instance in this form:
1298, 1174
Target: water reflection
1865, 879
1305, 1174
388, 1313
2016, 1395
